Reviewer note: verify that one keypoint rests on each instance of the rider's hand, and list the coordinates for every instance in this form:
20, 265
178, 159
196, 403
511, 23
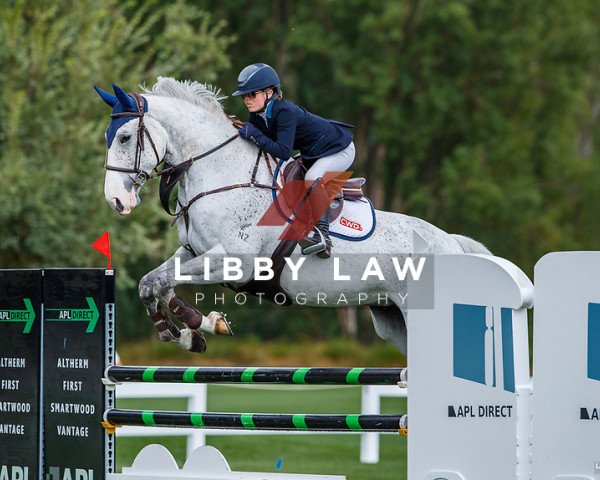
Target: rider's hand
248, 130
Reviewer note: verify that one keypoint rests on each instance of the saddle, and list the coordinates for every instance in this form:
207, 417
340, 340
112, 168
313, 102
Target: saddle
351, 189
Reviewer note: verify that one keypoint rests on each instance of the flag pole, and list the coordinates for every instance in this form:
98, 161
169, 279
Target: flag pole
108, 240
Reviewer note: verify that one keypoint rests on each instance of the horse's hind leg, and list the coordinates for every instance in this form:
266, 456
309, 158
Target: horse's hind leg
390, 325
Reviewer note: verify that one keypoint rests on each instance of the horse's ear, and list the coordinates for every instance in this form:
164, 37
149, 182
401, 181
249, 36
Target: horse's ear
107, 97
125, 99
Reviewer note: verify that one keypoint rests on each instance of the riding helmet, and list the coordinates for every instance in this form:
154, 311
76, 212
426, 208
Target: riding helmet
255, 77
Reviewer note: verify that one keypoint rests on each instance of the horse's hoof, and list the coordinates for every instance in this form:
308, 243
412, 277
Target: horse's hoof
221, 325
167, 337
192, 341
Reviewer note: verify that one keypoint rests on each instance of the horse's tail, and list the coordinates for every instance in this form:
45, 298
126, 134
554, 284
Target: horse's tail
471, 246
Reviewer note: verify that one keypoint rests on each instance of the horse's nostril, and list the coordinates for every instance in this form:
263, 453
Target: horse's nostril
118, 205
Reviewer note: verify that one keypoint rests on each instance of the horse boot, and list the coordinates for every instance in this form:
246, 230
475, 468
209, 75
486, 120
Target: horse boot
167, 330
214, 323
190, 340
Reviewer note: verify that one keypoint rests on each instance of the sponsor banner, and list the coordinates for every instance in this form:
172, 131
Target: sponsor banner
74, 333
20, 329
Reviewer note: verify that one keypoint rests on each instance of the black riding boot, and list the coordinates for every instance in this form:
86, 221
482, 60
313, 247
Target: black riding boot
319, 243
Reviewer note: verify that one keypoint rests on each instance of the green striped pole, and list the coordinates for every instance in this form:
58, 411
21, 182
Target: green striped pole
306, 375
258, 421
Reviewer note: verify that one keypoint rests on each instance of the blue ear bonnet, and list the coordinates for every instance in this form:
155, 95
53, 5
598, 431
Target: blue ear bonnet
120, 102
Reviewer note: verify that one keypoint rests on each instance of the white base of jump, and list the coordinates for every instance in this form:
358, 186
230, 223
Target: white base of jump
155, 462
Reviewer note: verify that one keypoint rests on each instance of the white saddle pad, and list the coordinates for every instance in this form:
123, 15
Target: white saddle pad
356, 222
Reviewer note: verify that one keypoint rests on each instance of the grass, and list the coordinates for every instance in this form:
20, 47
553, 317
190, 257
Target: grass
323, 453
254, 352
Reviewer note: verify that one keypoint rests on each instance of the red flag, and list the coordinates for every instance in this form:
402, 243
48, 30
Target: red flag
103, 246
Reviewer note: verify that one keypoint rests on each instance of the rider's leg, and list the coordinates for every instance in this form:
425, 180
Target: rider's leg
338, 162
320, 242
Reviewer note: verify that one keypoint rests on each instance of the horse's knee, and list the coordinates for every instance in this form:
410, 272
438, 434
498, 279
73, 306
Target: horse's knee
146, 288
162, 289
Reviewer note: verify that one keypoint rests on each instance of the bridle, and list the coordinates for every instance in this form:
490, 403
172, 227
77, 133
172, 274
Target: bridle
141, 132
172, 173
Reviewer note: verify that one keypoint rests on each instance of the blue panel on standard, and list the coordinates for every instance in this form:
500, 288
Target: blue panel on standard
593, 342
508, 354
469, 342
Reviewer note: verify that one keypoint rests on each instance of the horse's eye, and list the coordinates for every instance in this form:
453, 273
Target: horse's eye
125, 139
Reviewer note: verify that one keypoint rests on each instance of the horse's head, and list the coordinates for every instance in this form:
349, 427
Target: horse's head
135, 146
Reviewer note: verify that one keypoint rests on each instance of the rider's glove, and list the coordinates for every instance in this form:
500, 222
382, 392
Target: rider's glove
248, 131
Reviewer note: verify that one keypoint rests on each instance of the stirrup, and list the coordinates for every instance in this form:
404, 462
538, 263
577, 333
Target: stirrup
309, 248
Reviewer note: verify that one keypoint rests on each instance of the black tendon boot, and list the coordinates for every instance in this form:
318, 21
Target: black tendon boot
319, 243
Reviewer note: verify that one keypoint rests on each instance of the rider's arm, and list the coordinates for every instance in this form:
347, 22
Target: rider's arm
286, 132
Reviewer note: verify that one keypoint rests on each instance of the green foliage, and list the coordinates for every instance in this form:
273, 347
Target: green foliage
249, 350
52, 130
480, 116
52, 123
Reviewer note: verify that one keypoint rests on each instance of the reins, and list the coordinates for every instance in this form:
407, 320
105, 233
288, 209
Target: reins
251, 184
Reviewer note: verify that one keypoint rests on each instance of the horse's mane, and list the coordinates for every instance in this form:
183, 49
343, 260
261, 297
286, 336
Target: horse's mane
201, 94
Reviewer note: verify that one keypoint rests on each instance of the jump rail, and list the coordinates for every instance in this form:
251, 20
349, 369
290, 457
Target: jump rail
312, 376
258, 421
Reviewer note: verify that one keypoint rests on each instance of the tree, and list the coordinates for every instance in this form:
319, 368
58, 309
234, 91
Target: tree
52, 123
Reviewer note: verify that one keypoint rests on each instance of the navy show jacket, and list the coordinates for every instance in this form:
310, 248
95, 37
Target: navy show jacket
290, 127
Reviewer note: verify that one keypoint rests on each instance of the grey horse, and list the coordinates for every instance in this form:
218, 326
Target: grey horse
219, 210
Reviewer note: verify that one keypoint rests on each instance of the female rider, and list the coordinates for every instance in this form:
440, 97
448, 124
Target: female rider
279, 126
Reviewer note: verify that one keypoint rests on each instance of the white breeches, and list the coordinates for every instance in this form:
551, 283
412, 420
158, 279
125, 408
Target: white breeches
338, 162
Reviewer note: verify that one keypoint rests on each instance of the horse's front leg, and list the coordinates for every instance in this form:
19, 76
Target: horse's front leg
191, 271
167, 330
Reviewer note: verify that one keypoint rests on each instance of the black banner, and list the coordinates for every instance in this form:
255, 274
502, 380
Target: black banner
20, 334
78, 326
